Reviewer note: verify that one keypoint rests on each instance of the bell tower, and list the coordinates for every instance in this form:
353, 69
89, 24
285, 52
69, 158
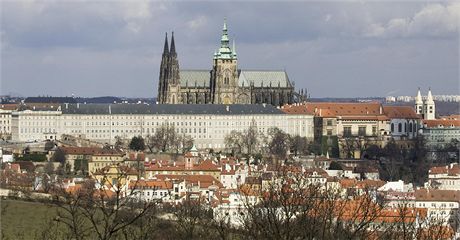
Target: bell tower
224, 82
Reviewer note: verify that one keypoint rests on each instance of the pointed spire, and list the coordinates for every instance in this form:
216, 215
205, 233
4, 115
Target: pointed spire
173, 45
234, 48
418, 98
224, 39
429, 98
166, 48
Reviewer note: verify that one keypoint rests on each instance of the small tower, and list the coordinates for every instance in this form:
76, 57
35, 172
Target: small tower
419, 103
429, 107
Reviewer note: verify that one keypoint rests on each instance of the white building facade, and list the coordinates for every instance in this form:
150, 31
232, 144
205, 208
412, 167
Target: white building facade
206, 124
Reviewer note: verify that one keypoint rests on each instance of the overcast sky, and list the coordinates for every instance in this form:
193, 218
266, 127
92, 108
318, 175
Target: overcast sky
337, 49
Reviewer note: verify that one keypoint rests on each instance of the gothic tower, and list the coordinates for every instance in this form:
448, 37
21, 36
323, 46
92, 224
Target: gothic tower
163, 81
224, 80
169, 82
173, 73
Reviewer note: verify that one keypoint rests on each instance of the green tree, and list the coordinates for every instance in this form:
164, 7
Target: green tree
298, 145
59, 156
137, 143
279, 144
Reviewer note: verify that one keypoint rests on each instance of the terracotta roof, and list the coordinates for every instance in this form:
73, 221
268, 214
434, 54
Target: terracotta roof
9, 106
445, 123
157, 184
346, 110
451, 170
451, 117
367, 183
400, 112
437, 195
321, 172
205, 181
82, 150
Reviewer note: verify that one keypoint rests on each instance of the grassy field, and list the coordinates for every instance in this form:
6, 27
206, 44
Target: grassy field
24, 220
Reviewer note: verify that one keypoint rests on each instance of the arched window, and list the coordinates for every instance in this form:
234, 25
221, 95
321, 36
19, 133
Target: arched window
392, 127
399, 127
405, 127
410, 127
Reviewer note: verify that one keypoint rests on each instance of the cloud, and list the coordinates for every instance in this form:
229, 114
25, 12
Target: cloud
434, 20
197, 22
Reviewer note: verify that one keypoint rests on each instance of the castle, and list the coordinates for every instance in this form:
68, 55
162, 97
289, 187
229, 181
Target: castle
225, 83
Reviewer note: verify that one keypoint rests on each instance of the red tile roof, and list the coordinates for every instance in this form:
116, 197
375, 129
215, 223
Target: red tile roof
400, 112
437, 195
157, 184
445, 123
347, 110
450, 170
204, 181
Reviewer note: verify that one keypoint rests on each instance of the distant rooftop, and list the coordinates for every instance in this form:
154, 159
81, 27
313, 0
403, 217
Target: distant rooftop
220, 109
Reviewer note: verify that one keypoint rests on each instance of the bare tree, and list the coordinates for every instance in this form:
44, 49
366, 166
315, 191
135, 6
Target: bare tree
234, 142
101, 209
251, 137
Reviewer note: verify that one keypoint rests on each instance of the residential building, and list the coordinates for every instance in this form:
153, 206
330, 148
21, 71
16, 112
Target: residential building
105, 159
445, 177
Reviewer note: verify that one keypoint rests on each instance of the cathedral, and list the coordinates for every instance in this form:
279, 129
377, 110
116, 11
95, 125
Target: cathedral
224, 83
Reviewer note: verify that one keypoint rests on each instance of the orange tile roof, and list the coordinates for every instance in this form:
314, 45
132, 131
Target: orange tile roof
9, 106
82, 150
451, 170
204, 181
346, 110
451, 117
437, 195
400, 112
158, 184
441, 122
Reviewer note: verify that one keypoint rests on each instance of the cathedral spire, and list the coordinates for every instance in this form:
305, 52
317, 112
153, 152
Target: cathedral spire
173, 45
166, 47
224, 40
234, 48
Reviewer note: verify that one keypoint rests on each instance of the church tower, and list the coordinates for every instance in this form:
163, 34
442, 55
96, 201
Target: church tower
429, 107
419, 103
169, 82
163, 81
224, 80
173, 73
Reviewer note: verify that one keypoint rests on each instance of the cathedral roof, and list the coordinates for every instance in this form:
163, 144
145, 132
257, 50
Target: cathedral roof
264, 78
190, 77
216, 109
257, 78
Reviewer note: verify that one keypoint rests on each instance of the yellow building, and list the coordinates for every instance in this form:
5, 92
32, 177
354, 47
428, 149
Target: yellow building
115, 175
100, 160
